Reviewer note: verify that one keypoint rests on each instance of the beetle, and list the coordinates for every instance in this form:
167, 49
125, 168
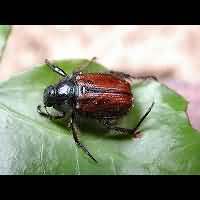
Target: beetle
102, 96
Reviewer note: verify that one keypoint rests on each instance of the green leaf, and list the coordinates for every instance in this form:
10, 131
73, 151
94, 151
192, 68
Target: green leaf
31, 144
4, 33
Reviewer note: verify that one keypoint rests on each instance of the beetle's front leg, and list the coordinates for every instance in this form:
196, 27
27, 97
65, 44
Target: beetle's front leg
82, 67
49, 116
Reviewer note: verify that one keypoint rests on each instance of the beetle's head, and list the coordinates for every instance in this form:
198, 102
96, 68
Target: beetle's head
49, 96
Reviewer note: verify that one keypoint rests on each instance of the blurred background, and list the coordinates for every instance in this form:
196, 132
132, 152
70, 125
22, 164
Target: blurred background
172, 53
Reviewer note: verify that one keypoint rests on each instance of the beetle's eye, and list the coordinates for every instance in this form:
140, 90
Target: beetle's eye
51, 91
48, 96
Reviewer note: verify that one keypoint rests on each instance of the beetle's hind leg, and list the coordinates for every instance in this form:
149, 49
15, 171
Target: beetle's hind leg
55, 68
48, 115
75, 136
129, 131
128, 76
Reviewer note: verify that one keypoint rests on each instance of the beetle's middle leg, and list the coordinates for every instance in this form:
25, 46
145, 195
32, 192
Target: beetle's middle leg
129, 131
75, 135
48, 115
128, 76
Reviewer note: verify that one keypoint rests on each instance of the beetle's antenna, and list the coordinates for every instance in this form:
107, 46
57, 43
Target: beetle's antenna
55, 68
